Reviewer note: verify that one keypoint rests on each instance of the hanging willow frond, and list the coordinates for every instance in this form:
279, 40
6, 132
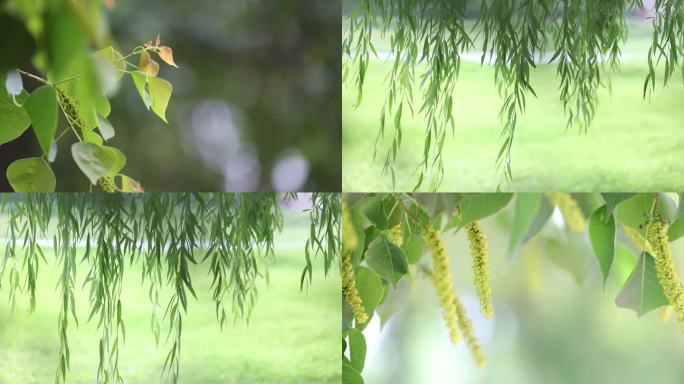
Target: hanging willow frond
583, 37
165, 233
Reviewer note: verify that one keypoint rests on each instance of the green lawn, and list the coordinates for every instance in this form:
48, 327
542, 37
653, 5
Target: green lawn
632, 145
293, 336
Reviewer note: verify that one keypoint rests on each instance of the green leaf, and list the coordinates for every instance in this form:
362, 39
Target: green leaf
635, 211
65, 40
370, 288
642, 291
357, 349
96, 161
676, 229
388, 260
160, 93
110, 66
413, 248
570, 254
13, 119
602, 235
613, 199
384, 213
623, 264
31, 175
41, 107
350, 375
140, 81
105, 127
17, 44
478, 206
526, 208
358, 222
540, 219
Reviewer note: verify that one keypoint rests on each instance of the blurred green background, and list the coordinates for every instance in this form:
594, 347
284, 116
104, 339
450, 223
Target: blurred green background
554, 321
632, 145
256, 101
292, 336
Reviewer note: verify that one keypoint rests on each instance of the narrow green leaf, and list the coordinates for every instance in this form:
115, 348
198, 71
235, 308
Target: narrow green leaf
602, 235
41, 107
526, 208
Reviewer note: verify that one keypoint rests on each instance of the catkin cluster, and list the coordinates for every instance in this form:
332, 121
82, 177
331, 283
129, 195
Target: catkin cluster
480, 255
441, 279
396, 236
572, 214
665, 268
69, 108
467, 329
351, 294
106, 184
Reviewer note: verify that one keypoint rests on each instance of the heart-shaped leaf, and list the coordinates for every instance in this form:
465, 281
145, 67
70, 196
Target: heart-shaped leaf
31, 175
96, 161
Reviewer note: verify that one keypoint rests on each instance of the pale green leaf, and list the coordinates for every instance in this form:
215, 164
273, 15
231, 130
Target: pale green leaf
31, 175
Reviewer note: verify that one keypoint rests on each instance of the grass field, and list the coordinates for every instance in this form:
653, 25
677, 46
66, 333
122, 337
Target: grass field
292, 337
633, 144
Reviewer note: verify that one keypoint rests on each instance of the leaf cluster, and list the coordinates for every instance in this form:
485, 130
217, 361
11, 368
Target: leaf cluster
616, 235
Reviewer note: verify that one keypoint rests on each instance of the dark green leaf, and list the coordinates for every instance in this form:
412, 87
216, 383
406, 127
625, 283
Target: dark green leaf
526, 208
642, 291
41, 107
357, 349
350, 375
388, 260
602, 235
478, 206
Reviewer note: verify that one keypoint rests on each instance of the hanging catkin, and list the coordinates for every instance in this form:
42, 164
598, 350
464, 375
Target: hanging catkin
106, 184
480, 255
351, 294
441, 278
467, 329
665, 268
572, 214
396, 235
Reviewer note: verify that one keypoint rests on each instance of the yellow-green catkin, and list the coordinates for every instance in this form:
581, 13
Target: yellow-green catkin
466, 328
441, 279
480, 255
69, 108
572, 214
665, 268
635, 237
106, 184
351, 294
396, 236
349, 238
